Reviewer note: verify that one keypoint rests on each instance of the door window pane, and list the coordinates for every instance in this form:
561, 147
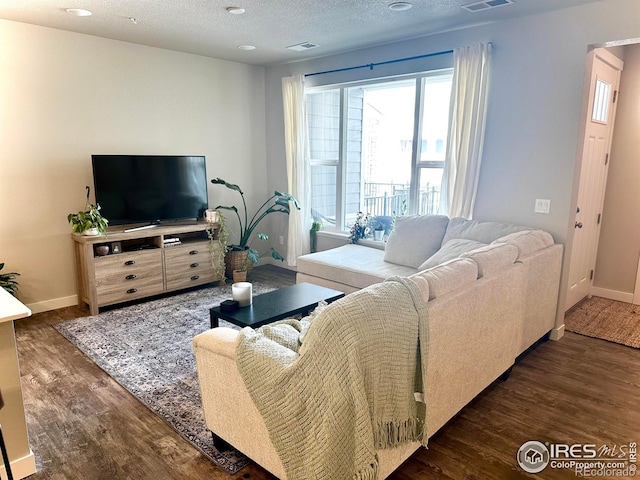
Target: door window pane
601, 101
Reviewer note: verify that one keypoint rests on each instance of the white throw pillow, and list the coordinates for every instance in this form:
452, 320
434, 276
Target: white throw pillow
415, 238
450, 250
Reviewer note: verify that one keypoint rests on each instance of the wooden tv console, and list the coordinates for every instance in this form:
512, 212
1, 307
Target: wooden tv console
146, 265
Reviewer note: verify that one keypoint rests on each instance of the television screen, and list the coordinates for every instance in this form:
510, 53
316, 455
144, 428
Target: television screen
150, 188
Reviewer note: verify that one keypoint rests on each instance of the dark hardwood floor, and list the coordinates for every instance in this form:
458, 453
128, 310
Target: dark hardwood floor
84, 425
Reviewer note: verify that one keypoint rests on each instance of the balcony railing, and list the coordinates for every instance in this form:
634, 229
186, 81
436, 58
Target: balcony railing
388, 199
392, 199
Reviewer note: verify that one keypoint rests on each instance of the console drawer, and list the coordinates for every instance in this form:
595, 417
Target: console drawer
188, 265
128, 276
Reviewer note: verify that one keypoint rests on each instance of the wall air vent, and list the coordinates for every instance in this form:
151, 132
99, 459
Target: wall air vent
485, 5
300, 47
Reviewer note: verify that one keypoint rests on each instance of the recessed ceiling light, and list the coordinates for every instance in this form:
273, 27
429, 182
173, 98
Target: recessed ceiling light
79, 12
400, 6
246, 47
235, 10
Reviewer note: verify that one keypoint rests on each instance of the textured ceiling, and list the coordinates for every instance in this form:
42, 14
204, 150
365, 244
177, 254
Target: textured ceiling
204, 27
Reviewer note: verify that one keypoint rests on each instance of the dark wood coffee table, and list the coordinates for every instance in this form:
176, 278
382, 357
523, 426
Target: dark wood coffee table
282, 303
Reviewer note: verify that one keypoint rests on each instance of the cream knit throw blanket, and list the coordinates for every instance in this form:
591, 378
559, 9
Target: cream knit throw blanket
340, 383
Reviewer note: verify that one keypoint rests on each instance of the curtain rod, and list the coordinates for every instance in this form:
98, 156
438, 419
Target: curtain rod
377, 64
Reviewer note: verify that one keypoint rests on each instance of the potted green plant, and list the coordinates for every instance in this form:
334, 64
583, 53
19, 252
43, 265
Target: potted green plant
88, 221
237, 254
7, 281
217, 233
360, 228
316, 226
381, 226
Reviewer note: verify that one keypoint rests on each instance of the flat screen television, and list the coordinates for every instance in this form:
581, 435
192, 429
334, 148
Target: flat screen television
150, 189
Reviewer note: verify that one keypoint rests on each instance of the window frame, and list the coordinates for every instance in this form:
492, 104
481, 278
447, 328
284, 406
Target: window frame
420, 79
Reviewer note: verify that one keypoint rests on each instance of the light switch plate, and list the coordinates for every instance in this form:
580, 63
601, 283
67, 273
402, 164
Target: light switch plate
543, 205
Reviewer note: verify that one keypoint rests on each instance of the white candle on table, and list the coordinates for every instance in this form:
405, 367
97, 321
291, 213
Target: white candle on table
242, 292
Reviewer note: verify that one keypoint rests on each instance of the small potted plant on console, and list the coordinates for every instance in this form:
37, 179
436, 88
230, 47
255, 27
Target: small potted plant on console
88, 221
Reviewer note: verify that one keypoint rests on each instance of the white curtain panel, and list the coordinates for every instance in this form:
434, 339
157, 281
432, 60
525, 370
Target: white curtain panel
298, 179
467, 119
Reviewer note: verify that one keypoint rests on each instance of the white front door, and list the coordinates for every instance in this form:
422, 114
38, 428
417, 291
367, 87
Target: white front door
599, 119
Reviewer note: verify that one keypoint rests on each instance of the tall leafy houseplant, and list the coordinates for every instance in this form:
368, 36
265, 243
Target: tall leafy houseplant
7, 281
276, 203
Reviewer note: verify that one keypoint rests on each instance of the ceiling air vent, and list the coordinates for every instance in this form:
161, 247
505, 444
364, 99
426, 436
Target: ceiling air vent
300, 47
485, 5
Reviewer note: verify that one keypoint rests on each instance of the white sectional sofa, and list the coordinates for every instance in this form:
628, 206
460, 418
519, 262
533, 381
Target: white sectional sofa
421, 242
485, 307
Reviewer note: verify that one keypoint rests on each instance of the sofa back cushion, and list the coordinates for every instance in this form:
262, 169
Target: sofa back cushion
447, 277
450, 250
484, 232
415, 238
493, 258
527, 241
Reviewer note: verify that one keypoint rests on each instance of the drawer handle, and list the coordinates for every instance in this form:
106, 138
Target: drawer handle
130, 262
132, 290
194, 265
195, 277
193, 252
130, 277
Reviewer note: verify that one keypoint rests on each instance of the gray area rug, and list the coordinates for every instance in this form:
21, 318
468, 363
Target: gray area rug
147, 349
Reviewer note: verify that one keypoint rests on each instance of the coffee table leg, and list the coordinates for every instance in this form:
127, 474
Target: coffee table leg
214, 320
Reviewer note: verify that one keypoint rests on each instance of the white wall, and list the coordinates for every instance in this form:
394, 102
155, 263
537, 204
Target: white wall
619, 246
535, 102
65, 96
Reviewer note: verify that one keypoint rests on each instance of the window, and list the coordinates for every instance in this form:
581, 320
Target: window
378, 147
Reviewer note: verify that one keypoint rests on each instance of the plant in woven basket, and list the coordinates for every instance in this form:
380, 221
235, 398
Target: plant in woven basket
276, 203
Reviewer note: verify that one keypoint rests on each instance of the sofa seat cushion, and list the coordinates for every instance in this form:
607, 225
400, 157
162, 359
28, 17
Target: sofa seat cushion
415, 238
447, 277
493, 258
354, 265
484, 232
527, 241
450, 250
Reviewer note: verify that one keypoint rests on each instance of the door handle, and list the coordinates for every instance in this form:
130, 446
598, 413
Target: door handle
578, 225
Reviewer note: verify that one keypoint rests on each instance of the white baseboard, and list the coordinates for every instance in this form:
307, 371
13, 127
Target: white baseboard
53, 304
612, 294
276, 263
557, 333
20, 468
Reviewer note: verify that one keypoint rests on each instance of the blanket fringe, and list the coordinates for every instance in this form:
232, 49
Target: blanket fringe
394, 433
370, 473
